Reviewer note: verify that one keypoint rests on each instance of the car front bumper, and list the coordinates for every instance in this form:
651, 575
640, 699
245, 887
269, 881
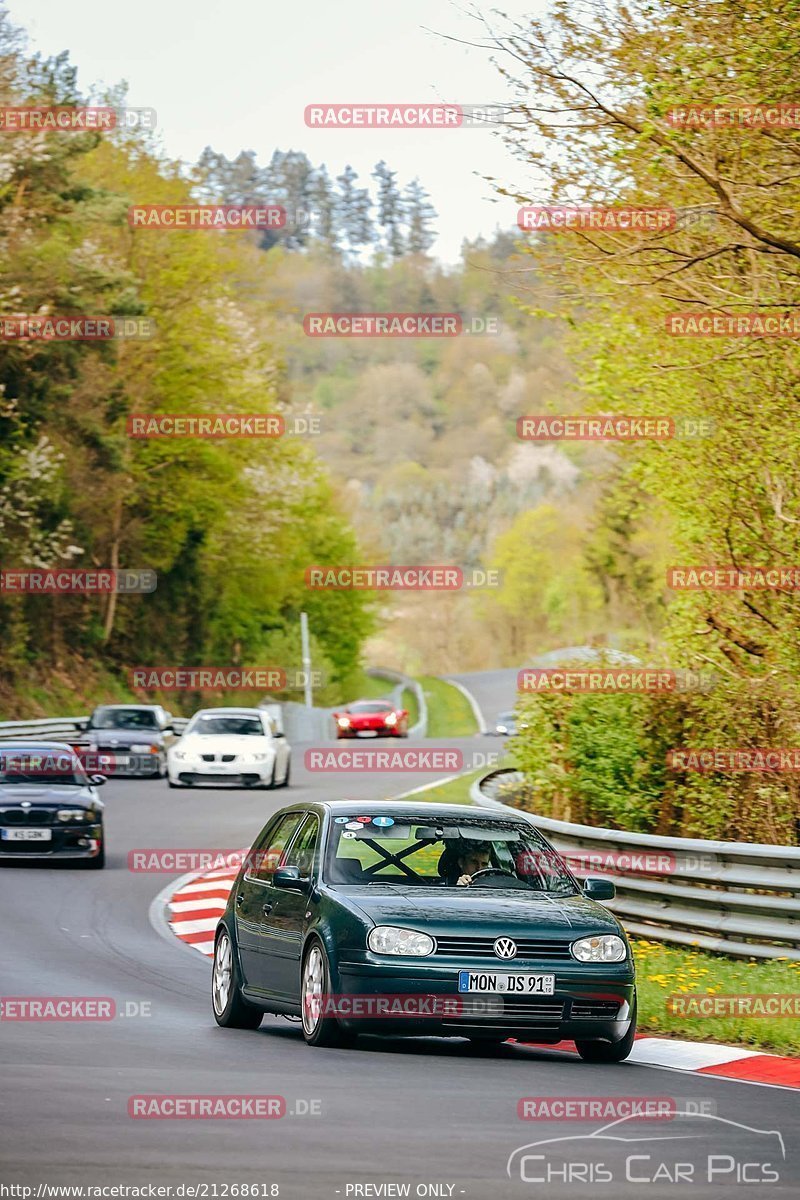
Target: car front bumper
586, 1003
243, 774
75, 841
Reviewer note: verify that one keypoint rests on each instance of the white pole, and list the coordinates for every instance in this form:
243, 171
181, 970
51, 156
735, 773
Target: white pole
306, 658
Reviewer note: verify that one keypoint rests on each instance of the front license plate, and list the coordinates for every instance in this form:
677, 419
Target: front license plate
367, 733
503, 981
27, 835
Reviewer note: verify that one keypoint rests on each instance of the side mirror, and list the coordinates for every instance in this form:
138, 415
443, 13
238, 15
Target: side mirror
279, 733
98, 780
599, 889
289, 878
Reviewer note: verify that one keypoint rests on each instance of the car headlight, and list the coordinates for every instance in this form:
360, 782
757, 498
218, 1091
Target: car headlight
73, 814
607, 947
390, 939
179, 754
391, 719
144, 748
260, 756
343, 722
502, 729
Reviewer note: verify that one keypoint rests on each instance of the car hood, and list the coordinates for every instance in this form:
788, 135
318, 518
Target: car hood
482, 911
37, 794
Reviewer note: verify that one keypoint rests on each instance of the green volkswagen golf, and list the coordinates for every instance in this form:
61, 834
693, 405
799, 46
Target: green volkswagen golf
404, 918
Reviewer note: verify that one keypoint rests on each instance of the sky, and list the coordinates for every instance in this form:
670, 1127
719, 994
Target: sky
238, 75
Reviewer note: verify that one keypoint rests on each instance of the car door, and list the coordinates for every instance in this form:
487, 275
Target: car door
283, 927
254, 896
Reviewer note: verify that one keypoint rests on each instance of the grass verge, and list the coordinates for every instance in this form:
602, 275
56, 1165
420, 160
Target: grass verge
449, 712
664, 971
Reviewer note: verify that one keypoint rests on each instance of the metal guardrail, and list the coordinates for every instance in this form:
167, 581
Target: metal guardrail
49, 727
57, 728
739, 898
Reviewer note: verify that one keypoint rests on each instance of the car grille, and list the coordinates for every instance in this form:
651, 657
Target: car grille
602, 1010
483, 947
218, 757
527, 1010
27, 816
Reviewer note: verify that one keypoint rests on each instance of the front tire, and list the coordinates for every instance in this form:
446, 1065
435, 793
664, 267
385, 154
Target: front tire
231, 1011
597, 1051
288, 773
97, 862
318, 1030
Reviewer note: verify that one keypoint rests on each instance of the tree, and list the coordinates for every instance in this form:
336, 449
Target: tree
353, 211
390, 209
419, 215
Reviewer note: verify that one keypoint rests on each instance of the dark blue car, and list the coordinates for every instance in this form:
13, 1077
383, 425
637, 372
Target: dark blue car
49, 806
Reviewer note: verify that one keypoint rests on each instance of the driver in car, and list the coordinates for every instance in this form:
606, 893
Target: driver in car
461, 860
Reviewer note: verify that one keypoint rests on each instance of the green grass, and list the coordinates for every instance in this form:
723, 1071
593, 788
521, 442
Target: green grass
367, 687
408, 701
449, 712
456, 791
664, 971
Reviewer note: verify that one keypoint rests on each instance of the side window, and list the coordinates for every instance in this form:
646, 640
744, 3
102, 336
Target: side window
268, 856
304, 848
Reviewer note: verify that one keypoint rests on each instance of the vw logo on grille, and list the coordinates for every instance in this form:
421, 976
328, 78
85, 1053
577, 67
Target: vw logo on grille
505, 948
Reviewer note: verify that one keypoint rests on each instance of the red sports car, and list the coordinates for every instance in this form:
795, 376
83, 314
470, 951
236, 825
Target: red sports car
371, 718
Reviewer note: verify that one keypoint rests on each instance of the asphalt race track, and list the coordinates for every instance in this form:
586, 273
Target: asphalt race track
419, 1113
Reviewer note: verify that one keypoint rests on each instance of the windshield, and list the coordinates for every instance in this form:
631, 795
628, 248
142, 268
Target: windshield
415, 852
123, 718
369, 706
41, 767
222, 726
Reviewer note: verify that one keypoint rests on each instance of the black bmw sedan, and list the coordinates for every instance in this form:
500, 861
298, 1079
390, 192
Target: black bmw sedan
49, 806
422, 919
